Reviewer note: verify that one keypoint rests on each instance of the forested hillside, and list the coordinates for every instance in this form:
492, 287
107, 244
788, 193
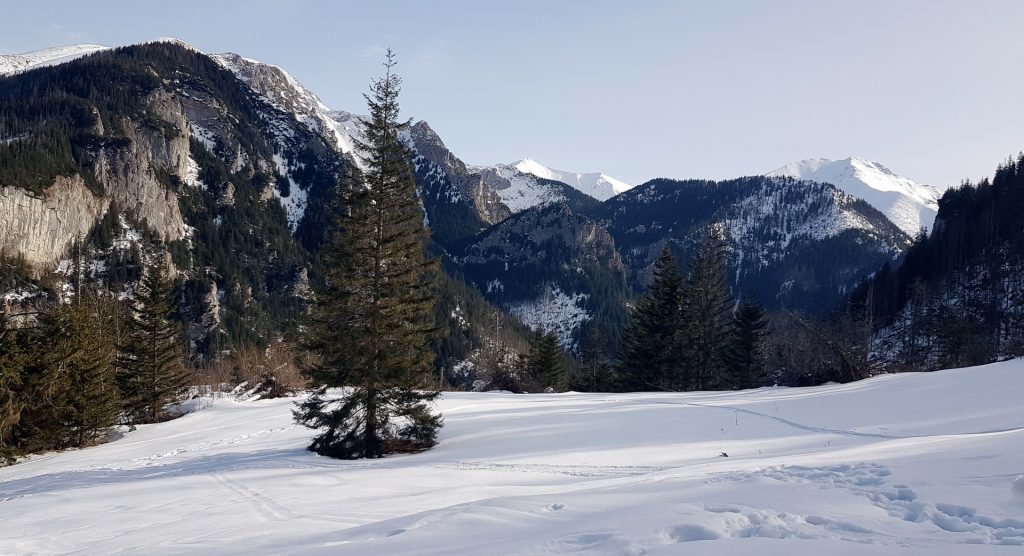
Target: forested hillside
792, 244
157, 152
958, 296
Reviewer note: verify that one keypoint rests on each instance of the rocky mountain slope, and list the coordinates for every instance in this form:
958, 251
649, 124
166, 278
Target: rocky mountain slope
168, 155
173, 158
493, 192
226, 166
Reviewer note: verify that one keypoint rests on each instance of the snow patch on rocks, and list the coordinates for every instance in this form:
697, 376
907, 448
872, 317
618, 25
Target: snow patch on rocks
555, 311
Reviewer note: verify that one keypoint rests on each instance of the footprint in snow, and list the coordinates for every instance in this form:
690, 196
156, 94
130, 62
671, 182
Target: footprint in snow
690, 533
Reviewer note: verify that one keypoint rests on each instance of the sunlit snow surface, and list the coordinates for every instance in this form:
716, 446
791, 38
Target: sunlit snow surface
900, 464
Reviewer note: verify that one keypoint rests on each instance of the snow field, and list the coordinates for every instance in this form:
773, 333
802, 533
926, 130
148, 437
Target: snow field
899, 464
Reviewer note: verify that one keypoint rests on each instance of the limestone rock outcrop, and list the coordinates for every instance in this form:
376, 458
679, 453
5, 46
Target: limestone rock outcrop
42, 228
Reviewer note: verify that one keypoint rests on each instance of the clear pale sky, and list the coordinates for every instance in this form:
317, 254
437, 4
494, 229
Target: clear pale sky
933, 89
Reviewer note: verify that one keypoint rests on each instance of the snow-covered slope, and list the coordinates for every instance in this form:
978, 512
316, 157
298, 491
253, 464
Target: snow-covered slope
595, 184
554, 311
277, 86
908, 204
527, 184
15, 63
520, 190
901, 464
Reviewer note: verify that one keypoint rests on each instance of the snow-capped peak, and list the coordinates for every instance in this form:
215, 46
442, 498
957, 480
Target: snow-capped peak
908, 204
800, 168
599, 186
17, 63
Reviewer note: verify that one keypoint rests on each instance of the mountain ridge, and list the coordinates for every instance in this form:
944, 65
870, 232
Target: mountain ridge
249, 138
908, 204
17, 63
595, 184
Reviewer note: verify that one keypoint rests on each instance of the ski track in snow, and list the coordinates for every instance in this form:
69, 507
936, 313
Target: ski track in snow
897, 464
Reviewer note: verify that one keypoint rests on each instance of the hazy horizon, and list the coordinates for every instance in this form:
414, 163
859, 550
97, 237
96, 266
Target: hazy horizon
637, 91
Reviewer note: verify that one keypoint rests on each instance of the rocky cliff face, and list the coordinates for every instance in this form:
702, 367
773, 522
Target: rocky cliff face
42, 229
139, 156
130, 174
165, 145
466, 186
129, 170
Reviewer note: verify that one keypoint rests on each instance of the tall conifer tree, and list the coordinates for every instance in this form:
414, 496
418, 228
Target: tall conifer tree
706, 312
150, 370
649, 357
373, 318
83, 357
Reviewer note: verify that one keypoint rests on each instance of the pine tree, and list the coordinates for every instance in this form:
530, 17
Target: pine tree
744, 357
545, 364
649, 356
150, 370
706, 307
369, 330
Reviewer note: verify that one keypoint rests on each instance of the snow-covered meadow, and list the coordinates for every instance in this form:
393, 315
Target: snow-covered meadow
899, 464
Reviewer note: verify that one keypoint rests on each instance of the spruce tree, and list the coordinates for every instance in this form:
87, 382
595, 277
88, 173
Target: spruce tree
370, 327
545, 364
706, 307
151, 374
744, 356
648, 356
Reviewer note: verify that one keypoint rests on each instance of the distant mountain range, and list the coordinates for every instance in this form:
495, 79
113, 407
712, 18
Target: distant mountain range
229, 163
